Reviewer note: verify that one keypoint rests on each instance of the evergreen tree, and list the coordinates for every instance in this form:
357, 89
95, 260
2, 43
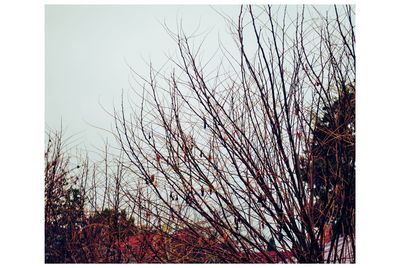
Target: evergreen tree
330, 165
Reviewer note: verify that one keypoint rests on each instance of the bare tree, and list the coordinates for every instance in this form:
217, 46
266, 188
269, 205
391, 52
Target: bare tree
231, 154
64, 198
84, 205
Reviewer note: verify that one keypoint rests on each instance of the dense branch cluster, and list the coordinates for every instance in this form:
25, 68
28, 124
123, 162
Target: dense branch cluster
252, 161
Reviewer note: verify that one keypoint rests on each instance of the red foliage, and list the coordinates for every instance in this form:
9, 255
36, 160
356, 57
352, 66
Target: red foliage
273, 257
184, 246
142, 248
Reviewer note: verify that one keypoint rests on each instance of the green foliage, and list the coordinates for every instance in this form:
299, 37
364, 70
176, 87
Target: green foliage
330, 164
121, 226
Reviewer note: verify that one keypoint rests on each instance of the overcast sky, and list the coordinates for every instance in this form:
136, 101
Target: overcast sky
88, 50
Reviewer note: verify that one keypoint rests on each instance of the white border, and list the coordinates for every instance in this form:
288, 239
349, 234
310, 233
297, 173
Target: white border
22, 128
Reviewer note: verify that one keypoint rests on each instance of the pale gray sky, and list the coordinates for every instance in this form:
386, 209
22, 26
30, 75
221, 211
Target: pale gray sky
88, 49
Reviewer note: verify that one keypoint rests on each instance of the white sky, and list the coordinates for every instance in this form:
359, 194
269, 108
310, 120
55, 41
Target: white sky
88, 49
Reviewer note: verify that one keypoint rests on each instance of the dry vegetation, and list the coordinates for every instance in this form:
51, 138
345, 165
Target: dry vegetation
251, 162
